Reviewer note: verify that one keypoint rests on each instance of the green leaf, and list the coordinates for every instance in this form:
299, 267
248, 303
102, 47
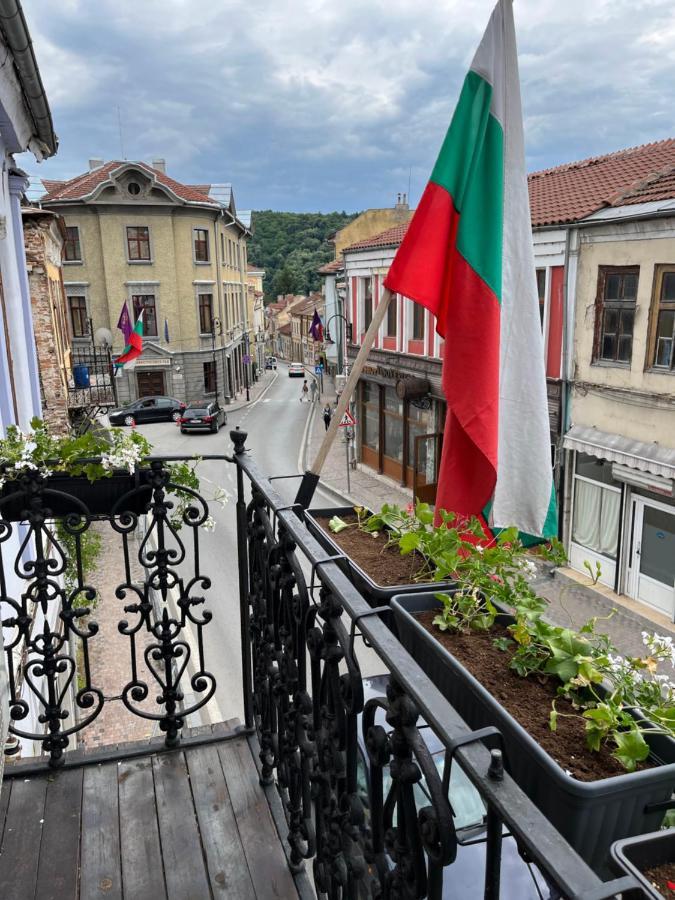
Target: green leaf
336, 525
553, 719
631, 748
502, 643
408, 542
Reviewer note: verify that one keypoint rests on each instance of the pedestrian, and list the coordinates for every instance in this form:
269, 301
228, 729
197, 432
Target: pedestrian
327, 415
305, 391
313, 389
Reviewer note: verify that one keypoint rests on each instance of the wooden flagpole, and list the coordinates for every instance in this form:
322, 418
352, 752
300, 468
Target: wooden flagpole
311, 477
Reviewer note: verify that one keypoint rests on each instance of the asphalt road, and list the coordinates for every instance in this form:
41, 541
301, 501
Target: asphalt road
275, 424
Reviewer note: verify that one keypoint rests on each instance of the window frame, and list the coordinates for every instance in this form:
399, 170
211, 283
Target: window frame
367, 295
392, 314
200, 307
196, 241
657, 306
75, 260
142, 260
146, 332
602, 304
210, 382
418, 317
83, 299
542, 276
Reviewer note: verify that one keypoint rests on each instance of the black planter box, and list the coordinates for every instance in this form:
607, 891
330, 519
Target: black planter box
632, 856
590, 815
64, 494
375, 594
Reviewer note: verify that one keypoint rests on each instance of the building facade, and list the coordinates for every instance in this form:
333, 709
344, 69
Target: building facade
175, 251
620, 497
257, 323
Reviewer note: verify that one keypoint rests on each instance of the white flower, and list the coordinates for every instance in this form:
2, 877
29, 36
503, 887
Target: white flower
209, 523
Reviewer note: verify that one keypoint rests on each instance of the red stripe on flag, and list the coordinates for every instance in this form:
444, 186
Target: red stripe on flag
429, 269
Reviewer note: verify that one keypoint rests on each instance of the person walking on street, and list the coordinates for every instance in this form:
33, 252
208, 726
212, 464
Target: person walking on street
313, 389
327, 415
305, 391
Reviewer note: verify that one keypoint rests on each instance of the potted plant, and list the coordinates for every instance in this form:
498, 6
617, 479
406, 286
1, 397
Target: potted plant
587, 734
650, 859
376, 547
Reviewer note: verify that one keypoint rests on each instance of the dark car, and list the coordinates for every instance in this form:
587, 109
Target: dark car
148, 409
202, 415
464, 877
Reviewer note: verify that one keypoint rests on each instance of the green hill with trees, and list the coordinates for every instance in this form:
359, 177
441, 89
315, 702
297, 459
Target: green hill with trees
290, 247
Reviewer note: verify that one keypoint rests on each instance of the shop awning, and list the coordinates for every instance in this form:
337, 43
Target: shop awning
652, 458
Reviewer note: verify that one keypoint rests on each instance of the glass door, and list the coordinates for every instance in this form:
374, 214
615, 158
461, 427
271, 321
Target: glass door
653, 555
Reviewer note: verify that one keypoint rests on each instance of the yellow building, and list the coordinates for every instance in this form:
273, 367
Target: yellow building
370, 223
256, 318
178, 252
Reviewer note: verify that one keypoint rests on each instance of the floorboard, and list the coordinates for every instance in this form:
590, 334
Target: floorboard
60, 847
184, 867
100, 863
225, 858
22, 838
141, 850
259, 838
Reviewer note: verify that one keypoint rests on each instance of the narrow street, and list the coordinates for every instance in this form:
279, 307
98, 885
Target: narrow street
275, 424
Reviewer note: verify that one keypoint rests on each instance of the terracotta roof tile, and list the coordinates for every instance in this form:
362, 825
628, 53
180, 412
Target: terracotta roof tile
330, 268
82, 185
392, 237
573, 191
659, 186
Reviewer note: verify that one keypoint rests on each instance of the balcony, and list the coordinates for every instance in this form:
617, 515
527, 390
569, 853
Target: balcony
236, 809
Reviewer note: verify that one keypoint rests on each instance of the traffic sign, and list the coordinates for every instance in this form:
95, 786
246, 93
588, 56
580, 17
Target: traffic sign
318, 370
347, 420
246, 359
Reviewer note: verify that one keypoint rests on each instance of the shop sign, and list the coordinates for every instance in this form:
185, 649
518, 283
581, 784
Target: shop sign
156, 363
387, 373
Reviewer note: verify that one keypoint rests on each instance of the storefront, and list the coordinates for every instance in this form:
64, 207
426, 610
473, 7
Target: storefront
398, 428
623, 515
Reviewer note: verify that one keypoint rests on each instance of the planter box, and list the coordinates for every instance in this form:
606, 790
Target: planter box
590, 815
375, 594
62, 493
632, 856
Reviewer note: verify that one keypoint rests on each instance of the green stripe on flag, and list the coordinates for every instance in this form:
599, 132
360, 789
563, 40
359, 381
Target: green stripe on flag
470, 167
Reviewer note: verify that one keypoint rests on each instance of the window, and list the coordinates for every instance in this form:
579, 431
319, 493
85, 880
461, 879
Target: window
370, 415
201, 237
138, 243
418, 322
541, 293
78, 315
392, 314
206, 313
393, 425
663, 321
210, 377
146, 302
222, 248
597, 506
367, 302
615, 314
72, 251
134, 188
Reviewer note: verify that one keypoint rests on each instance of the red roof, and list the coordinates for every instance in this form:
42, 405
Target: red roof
335, 265
575, 190
83, 185
392, 237
660, 186
285, 329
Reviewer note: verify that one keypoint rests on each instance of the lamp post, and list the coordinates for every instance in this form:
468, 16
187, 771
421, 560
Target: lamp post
348, 336
247, 363
216, 328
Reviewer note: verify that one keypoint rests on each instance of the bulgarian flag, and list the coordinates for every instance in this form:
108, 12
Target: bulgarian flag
135, 346
467, 257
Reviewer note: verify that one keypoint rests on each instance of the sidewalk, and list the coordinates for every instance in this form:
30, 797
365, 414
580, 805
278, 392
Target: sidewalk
366, 488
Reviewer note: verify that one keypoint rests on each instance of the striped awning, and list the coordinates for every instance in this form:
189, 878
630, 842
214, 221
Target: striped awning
652, 458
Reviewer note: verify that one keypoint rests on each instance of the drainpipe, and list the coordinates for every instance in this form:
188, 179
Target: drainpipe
219, 286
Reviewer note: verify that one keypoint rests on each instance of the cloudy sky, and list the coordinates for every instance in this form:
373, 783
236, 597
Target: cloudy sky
336, 105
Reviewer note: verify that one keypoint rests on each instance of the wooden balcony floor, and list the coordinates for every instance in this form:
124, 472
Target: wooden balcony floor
187, 824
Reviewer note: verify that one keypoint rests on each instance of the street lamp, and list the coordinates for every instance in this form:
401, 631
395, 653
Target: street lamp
216, 328
329, 340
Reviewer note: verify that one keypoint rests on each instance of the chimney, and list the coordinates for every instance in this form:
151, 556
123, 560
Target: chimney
401, 202
160, 165
95, 163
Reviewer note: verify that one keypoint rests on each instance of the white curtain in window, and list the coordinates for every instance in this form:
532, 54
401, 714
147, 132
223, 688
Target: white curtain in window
609, 523
587, 504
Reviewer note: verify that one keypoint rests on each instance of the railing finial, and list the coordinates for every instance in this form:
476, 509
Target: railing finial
238, 438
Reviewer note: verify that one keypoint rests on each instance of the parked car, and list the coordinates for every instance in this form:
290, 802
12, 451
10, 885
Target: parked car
271, 362
296, 370
147, 409
201, 415
464, 877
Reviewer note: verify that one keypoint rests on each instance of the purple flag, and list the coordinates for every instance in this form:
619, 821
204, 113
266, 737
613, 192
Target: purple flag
124, 323
316, 328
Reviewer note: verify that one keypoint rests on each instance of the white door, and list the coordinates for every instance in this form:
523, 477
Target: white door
652, 572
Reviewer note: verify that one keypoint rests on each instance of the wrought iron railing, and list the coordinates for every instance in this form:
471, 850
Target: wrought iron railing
304, 695
47, 629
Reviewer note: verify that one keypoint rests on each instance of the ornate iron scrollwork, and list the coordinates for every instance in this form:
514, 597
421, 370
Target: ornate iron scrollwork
47, 629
